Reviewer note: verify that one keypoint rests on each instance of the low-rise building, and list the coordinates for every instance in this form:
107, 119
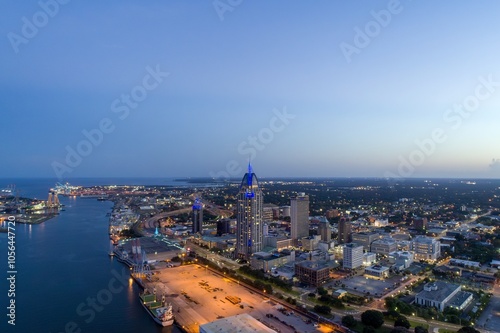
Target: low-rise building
365, 239
401, 260
441, 294
267, 261
314, 273
369, 258
384, 246
310, 243
377, 271
426, 248
464, 263
242, 323
278, 242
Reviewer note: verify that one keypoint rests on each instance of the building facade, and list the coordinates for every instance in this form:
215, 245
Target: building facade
440, 294
249, 228
353, 256
384, 246
299, 216
377, 271
345, 232
325, 231
425, 248
365, 239
313, 273
197, 216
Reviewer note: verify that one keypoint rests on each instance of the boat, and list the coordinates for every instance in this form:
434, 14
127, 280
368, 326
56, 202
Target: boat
161, 312
111, 248
102, 198
89, 195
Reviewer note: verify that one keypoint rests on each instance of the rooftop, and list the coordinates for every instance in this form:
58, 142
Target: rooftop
242, 323
378, 268
459, 299
317, 265
424, 239
442, 291
352, 245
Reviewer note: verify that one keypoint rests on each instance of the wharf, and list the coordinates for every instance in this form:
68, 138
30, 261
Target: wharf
200, 296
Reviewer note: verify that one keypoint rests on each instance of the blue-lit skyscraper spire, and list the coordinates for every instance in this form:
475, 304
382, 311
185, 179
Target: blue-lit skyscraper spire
197, 216
249, 229
250, 171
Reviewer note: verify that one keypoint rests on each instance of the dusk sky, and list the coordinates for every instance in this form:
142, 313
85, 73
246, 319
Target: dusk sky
196, 88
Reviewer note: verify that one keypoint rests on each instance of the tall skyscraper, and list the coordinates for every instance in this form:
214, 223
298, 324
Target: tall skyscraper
249, 228
344, 231
299, 216
197, 216
325, 231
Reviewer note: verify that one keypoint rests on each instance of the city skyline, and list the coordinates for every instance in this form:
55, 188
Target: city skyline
372, 89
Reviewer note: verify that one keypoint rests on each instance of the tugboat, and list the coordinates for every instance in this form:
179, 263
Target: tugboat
161, 312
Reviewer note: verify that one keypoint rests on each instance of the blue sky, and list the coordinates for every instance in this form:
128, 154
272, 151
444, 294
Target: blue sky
231, 72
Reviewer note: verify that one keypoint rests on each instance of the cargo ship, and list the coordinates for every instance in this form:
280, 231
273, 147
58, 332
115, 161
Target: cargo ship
161, 312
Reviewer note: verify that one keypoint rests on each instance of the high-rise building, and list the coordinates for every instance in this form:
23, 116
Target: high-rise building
345, 232
197, 216
223, 227
353, 256
299, 216
249, 229
325, 231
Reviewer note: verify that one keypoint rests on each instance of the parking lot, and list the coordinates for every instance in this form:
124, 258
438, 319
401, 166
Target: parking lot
363, 285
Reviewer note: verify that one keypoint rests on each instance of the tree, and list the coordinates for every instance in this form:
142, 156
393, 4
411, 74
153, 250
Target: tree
402, 321
322, 291
468, 329
372, 318
349, 321
324, 309
420, 329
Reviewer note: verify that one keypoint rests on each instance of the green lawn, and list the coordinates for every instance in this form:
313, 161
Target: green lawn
416, 323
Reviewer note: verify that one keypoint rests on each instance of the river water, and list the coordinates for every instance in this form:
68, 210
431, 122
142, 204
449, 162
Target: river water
65, 280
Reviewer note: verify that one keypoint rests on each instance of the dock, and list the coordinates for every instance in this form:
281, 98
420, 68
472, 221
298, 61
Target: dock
199, 296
